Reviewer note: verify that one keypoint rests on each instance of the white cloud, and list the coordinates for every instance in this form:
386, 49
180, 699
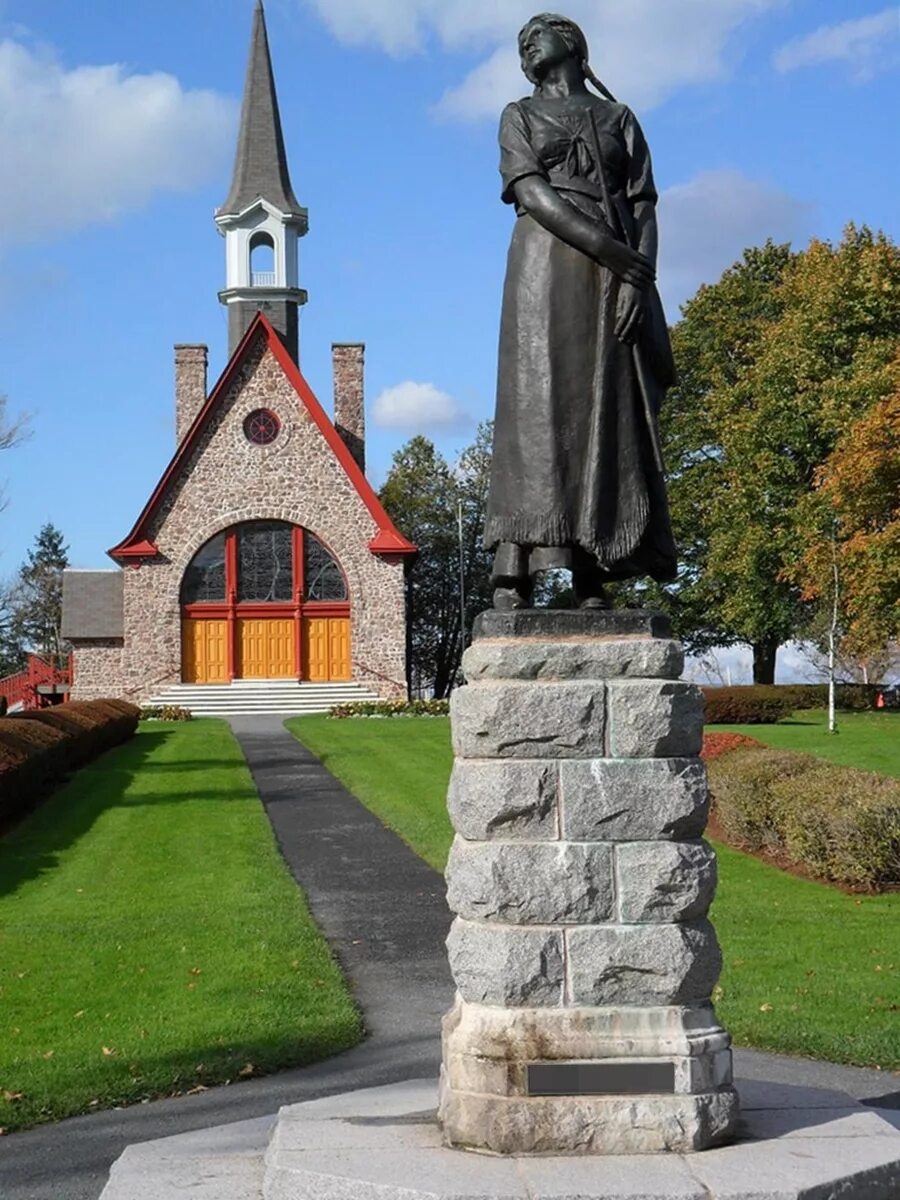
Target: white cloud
417, 406
643, 49
706, 223
867, 44
82, 146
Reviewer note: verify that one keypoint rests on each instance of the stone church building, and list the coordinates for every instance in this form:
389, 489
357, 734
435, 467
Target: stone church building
263, 552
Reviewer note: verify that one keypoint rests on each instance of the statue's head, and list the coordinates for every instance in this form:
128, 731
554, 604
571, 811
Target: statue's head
547, 40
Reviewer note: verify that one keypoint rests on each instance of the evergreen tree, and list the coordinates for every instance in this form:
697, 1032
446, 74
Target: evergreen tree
37, 595
426, 498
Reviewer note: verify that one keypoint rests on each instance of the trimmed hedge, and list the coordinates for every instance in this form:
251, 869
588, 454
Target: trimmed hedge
753, 704
38, 748
838, 823
392, 708
764, 704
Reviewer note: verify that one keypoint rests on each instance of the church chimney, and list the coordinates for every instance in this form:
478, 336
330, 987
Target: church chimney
190, 386
347, 360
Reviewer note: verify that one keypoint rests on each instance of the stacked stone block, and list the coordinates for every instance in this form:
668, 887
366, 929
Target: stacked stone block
581, 884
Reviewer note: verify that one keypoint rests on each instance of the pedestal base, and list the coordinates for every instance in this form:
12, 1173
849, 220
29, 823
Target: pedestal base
585, 1080
384, 1144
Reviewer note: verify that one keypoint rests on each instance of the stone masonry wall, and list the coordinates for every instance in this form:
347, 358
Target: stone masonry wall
98, 670
228, 480
190, 386
348, 361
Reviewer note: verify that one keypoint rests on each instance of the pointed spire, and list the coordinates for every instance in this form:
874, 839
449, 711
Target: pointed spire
260, 166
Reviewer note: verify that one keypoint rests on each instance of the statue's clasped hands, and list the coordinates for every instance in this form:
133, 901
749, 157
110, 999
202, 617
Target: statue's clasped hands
637, 274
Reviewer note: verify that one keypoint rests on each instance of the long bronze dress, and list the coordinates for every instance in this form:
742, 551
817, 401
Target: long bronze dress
576, 467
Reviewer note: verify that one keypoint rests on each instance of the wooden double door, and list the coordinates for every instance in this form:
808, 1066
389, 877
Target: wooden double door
216, 650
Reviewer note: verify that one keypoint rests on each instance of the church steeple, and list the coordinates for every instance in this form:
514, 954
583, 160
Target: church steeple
261, 219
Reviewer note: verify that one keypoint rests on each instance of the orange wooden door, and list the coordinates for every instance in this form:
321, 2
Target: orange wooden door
339, 648
204, 653
315, 648
326, 643
266, 648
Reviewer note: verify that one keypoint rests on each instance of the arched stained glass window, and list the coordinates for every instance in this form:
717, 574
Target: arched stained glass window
204, 580
265, 562
324, 579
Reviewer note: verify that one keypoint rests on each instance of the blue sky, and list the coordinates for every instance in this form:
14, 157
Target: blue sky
117, 127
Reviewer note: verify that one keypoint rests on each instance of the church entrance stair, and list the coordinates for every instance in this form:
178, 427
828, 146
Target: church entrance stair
243, 696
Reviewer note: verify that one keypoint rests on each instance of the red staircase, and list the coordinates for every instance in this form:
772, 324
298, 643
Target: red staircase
39, 685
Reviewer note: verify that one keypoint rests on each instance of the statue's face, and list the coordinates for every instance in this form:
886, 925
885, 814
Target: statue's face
541, 48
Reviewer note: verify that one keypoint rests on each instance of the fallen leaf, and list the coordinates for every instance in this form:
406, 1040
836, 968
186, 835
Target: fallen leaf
108, 1052
12, 1097
196, 971
765, 1008
80, 1013
196, 1090
247, 1070
49, 1054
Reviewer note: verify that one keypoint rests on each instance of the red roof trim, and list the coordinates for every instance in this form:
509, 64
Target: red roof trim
143, 549
388, 540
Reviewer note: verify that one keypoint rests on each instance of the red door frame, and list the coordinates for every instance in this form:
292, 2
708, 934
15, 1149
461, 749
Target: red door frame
232, 609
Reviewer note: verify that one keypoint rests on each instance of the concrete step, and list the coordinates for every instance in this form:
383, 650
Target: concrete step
247, 696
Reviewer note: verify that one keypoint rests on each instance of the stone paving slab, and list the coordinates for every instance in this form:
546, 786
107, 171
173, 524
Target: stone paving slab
383, 1144
225, 1163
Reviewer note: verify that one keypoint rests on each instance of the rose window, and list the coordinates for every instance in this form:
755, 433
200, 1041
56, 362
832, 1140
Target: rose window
261, 427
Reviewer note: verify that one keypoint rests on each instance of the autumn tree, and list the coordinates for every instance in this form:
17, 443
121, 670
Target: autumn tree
852, 531
426, 497
776, 361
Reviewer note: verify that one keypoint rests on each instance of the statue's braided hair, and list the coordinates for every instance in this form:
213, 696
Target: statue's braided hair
574, 38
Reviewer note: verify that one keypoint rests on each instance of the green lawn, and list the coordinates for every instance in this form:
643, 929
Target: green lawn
808, 970
870, 740
397, 766
151, 938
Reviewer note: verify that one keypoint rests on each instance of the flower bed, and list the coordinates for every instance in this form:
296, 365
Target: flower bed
391, 708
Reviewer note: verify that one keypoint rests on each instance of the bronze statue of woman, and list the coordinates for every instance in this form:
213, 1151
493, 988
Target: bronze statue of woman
585, 358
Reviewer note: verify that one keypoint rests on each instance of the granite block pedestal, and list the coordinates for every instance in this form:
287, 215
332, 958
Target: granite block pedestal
581, 951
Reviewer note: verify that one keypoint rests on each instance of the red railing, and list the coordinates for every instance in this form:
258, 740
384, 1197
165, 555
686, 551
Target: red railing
23, 688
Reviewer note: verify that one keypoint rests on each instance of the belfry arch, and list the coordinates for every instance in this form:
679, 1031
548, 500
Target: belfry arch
265, 600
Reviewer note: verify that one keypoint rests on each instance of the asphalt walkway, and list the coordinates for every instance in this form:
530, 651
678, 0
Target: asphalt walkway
383, 911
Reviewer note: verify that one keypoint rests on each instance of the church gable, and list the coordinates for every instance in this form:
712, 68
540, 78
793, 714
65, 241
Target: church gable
261, 443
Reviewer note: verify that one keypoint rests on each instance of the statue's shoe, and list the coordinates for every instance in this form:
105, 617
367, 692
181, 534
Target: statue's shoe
508, 598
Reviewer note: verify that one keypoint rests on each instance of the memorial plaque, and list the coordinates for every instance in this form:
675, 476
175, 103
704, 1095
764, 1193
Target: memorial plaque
600, 1079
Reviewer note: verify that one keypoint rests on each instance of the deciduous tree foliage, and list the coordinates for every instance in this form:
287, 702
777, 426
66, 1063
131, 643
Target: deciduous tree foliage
422, 493
852, 521
777, 360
